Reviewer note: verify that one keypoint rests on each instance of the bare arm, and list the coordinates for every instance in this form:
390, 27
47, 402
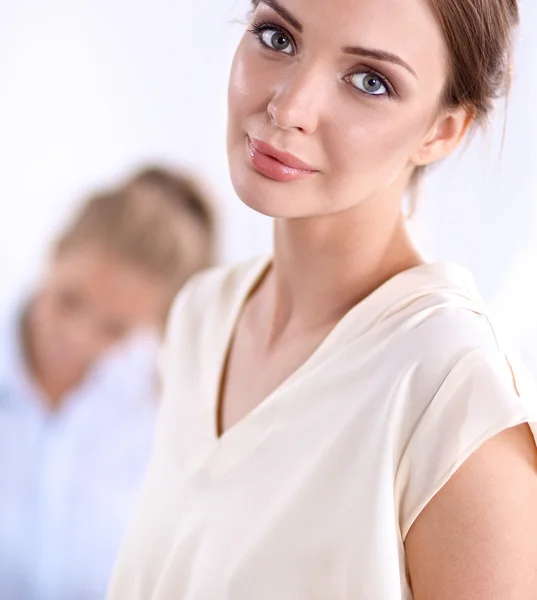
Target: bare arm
477, 539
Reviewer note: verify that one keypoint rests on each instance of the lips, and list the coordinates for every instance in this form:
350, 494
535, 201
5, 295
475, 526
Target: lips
288, 160
277, 165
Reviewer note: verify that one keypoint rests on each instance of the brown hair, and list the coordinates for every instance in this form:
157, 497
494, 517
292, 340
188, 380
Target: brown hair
159, 220
479, 38
478, 34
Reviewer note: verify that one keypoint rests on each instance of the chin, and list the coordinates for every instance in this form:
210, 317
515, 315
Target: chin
278, 200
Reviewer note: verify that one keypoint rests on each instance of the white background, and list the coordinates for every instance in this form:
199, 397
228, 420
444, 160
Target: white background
93, 88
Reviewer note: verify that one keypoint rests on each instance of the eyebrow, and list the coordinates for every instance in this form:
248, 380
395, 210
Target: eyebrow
380, 55
284, 13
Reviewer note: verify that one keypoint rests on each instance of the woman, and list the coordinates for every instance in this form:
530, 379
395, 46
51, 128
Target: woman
339, 420
78, 387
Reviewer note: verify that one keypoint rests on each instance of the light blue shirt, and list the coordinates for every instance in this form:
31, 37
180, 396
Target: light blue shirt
69, 480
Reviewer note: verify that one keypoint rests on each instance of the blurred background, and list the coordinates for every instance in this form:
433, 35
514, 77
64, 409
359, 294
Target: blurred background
94, 90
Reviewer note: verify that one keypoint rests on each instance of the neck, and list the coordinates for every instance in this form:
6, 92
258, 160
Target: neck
324, 266
54, 384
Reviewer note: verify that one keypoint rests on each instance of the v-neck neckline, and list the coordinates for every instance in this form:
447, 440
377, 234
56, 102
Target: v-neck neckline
258, 274
234, 443
378, 303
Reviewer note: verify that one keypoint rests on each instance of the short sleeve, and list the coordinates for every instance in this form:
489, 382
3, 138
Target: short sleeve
179, 330
480, 398
178, 306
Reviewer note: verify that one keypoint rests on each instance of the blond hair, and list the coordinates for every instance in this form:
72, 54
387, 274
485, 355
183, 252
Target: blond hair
159, 220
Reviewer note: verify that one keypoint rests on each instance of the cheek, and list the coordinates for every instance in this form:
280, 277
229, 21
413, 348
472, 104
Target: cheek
248, 90
380, 140
49, 312
238, 87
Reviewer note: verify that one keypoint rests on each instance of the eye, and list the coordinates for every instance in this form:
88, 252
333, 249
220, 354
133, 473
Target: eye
273, 38
370, 83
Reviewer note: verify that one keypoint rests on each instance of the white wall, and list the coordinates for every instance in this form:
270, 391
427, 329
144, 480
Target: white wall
91, 88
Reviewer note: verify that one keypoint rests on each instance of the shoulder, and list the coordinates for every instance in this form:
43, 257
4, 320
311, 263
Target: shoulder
490, 499
440, 324
459, 384
468, 403
217, 287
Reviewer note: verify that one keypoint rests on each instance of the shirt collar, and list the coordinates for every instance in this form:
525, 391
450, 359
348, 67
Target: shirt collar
126, 374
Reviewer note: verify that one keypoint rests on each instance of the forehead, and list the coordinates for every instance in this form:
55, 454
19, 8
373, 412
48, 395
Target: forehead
110, 284
408, 28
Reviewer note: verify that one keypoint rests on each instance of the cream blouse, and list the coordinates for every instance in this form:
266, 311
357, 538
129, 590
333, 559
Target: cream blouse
311, 495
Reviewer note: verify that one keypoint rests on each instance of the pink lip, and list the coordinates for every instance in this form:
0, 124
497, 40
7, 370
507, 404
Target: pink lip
280, 166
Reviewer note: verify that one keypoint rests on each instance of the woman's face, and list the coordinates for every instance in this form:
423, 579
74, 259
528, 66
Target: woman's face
334, 103
89, 301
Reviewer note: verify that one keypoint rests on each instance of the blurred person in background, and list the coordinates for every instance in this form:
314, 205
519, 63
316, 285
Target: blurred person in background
78, 387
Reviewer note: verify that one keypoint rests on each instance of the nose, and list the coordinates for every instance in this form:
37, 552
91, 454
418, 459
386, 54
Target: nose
297, 103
